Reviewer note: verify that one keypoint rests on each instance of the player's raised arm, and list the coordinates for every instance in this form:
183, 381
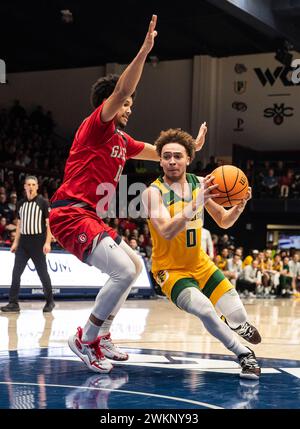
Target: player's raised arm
129, 79
148, 153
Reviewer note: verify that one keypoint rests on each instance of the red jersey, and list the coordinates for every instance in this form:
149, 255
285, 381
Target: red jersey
98, 155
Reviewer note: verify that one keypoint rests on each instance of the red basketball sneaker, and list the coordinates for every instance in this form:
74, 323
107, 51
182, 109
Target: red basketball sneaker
90, 353
110, 350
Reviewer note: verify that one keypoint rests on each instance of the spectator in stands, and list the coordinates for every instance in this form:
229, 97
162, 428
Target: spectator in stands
270, 184
12, 204
239, 251
273, 269
127, 224
127, 235
134, 245
233, 268
295, 186
225, 241
215, 240
286, 182
141, 244
231, 251
270, 250
221, 260
284, 288
283, 254
265, 276
249, 280
12, 237
279, 169
114, 223
268, 258
266, 168
5, 211
294, 270
277, 263
206, 243
135, 234
146, 233
249, 171
211, 165
3, 229
198, 170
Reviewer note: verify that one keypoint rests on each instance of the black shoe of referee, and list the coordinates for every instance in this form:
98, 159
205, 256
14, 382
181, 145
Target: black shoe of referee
48, 307
12, 307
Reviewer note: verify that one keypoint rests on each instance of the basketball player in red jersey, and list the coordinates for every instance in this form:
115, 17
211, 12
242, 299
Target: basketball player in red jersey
97, 156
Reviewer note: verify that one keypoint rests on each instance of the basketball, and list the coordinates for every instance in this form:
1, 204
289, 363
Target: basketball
233, 185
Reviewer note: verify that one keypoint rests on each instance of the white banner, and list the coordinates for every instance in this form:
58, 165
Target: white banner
64, 269
259, 106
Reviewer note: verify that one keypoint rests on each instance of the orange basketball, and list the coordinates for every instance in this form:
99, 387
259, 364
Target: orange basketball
233, 185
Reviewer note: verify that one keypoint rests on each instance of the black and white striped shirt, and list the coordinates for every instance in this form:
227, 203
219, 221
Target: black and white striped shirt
33, 214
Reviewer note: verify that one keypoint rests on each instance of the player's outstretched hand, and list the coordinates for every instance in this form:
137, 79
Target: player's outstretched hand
200, 140
150, 36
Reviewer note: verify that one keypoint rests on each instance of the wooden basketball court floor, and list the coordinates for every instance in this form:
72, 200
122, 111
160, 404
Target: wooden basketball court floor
174, 363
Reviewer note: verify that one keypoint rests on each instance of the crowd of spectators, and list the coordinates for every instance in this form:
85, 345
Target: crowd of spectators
267, 273
263, 274
276, 179
28, 145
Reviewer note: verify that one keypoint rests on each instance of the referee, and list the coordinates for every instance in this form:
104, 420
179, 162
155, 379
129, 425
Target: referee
33, 238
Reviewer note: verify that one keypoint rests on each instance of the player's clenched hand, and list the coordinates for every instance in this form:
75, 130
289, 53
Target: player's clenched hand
150, 36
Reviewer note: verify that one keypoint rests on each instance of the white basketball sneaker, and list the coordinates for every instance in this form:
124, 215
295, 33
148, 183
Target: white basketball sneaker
90, 353
249, 364
110, 350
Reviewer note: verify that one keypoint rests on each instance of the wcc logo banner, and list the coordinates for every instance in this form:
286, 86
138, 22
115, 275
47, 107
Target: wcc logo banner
258, 102
279, 76
269, 76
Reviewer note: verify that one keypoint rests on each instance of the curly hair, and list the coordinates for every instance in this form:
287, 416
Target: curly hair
103, 88
176, 135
